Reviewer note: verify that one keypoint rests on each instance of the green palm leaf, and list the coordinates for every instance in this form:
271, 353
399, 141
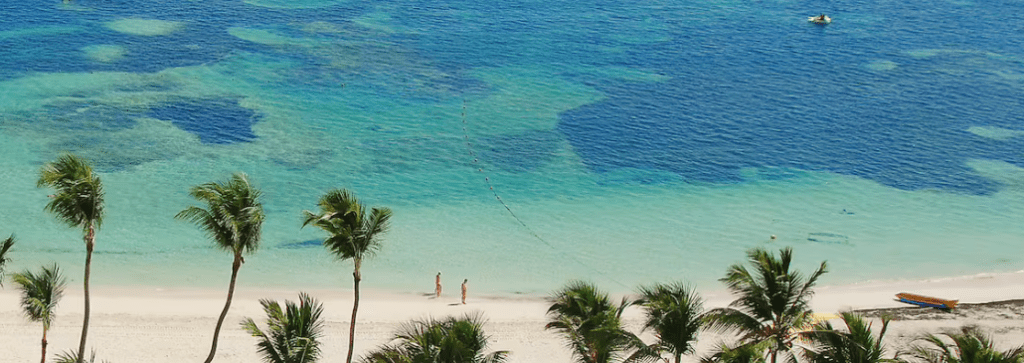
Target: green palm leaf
40, 294
591, 325
5, 256
234, 215
771, 301
78, 197
293, 333
744, 353
448, 340
855, 344
675, 313
352, 234
969, 345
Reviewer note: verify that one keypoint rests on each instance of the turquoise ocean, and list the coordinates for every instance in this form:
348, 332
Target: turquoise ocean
525, 143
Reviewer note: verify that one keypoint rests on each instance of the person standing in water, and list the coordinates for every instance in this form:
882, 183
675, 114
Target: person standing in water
437, 285
464, 282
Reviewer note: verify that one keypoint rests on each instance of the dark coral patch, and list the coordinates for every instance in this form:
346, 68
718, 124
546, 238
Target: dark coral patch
215, 121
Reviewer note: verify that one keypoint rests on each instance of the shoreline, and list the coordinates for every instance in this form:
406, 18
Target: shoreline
975, 288
175, 324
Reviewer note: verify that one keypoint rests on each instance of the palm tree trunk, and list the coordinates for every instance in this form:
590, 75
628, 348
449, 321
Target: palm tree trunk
227, 305
356, 276
90, 239
44, 345
679, 357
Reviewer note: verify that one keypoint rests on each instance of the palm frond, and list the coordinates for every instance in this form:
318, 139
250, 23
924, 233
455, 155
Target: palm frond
969, 344
78, 192
352, 234
591, 324
70, 356
743, 353
233, 217
389, 354
40, 293
675, 313
5, 256
857, 344
293, 333
730, 320
772, 300
448, 340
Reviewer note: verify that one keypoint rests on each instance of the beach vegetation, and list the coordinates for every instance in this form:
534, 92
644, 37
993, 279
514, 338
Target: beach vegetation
968, 345
448, 340
772, 301
40, 294
5, 256
293, 333
674, 312
353, 234
591, 325
233, 219
78, 202
73, 357
743, 353
856, 344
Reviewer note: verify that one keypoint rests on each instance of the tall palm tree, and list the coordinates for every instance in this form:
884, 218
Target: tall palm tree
78, 202
5, 249
771, 300
857, 344
592, 326
675, 313
293, 333
233, 219
354, 235
970, 345
40, 294
449, 340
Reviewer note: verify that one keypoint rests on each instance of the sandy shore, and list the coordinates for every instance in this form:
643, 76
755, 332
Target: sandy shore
175, 325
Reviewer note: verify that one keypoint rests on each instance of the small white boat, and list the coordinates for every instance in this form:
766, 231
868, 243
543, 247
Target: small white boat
823, 19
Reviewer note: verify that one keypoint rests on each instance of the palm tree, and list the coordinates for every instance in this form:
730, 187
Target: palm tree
40, 294
970, 345
675, 313
592, 326
5, 248
855, 345
292, 334
233, 220
78, 202
353, 235
450, 340
771, 301
746, 353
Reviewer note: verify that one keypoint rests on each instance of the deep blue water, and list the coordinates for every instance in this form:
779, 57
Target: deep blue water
745, 95
219, 121
750, 84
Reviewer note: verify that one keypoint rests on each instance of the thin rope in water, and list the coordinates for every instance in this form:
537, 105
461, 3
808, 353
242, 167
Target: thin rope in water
487, 180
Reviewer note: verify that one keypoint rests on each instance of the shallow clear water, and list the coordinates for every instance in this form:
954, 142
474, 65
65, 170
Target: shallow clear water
525, 143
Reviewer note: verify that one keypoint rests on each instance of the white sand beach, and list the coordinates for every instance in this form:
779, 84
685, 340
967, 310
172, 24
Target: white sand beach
163, 325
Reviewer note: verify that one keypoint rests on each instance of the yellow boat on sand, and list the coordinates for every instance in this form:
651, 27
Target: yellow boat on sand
926, 301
